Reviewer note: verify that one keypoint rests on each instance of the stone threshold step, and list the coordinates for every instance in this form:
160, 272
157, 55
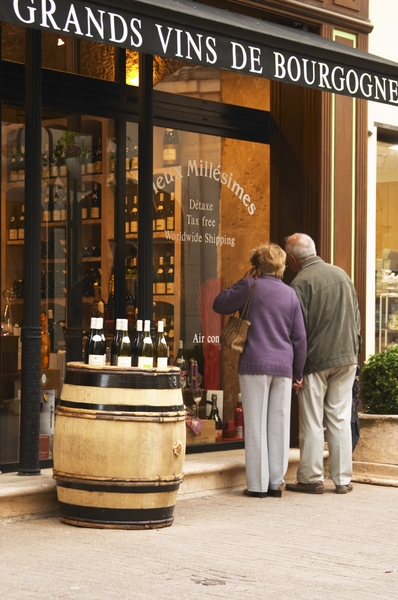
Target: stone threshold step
29, 497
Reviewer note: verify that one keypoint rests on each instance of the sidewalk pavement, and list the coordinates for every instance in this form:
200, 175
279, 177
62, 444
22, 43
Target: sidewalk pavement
304, 547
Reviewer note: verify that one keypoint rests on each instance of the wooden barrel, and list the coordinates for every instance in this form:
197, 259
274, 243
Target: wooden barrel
119, 446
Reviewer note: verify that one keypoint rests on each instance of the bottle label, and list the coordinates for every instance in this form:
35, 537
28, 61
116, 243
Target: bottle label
160, 288
13, 234
96, 359
170, 154
56, 215
170, 287
84, 213
90, 168
124, 361
95, 213
62, 171
160, 224
170, 223
145, 362
133, 227
21, 234
239, 431
162, 362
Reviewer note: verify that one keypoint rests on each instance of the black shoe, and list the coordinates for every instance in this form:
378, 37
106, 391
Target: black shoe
255, 494
275, 493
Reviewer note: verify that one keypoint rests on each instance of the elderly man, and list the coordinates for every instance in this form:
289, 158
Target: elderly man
330, 308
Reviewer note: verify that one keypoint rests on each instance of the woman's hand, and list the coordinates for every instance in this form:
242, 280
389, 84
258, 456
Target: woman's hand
297, 385
250, 273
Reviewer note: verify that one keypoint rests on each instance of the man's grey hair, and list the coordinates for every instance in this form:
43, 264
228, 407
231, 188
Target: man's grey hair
300, 245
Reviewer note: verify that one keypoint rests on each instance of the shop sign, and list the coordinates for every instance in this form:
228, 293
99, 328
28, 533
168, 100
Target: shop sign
137, 30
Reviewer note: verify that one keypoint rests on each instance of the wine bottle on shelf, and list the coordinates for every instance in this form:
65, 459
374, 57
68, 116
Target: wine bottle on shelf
134, 217
90, 164
214, 415
160, 348
182, 364
145, 353
93, 322
95, 211
111, 298
124, 349
128, 161
62, 203
50, 326
171, 148
130, 307
45, 343
170, 277
98, 157
96, 301
160, 285
45, 163
97, 346
115, 342
127, 216
21, 164
13, 170
160, 214
54, 165
56, 212
239, 426
84, 203
170, 213
136, 343
134, 157
21, 224
13, 227
62, 162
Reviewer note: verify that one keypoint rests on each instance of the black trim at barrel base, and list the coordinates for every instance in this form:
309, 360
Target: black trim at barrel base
116, 518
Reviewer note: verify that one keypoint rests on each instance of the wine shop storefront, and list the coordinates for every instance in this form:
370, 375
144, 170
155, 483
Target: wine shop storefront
146, 148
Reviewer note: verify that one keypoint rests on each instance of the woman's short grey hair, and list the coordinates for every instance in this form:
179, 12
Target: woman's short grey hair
300, 245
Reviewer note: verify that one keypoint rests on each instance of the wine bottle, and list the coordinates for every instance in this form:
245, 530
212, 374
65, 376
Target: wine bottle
127, 216
115, 342
13, 170
96, 300
137, 342
160, 214
50, 326
54, 165
124, 349
160, 285
134, 217
21, 224
93, 322
45, 343
128, 161
90, 164
62, 162
21, 164
98, 157
56, 209
170, 213
214, 415
111, 298
45, 163
182, 364
160, 348
47, 214
170, 277
97, 347
84, 204
95, 211
134, 157
13, 227
145, 353
62, 203
129, 297
238, 419
171, 148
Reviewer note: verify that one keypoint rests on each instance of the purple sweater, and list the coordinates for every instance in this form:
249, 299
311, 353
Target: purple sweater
276, 340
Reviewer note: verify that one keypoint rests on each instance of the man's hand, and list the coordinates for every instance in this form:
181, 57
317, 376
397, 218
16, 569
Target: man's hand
297, 385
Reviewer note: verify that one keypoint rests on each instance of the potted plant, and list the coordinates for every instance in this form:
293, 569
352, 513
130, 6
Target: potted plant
376, 455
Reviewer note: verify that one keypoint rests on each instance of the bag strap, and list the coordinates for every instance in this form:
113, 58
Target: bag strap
246, 307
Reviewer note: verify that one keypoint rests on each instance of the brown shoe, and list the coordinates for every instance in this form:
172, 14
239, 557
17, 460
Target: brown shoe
275, 493
306, 488
255, 494
344, 489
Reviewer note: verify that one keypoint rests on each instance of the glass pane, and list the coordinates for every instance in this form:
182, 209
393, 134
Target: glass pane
386, 246
176, 77
209, 193
70, 55
13, 42
12, 260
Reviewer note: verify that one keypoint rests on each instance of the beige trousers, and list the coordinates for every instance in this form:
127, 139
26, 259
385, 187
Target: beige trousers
325, 402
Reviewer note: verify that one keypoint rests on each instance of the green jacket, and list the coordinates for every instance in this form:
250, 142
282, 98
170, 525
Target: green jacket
330, 308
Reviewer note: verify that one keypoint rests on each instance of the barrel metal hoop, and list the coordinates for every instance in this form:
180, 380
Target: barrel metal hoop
121, 416
120, 488
125, 408
122, 379
123, 518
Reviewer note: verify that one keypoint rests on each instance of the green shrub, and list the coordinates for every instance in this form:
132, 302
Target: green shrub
379, 383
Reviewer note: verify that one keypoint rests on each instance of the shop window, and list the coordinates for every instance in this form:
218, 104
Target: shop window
387, 243
13, 42
211, 207
70, 55
185, 79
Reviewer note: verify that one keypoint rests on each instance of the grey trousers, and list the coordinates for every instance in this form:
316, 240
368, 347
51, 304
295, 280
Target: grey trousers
266, 410
326, 401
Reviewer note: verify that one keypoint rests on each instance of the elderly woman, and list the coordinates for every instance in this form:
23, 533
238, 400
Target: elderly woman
273, 356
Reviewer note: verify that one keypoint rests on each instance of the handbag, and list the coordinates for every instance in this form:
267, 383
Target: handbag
234, 334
